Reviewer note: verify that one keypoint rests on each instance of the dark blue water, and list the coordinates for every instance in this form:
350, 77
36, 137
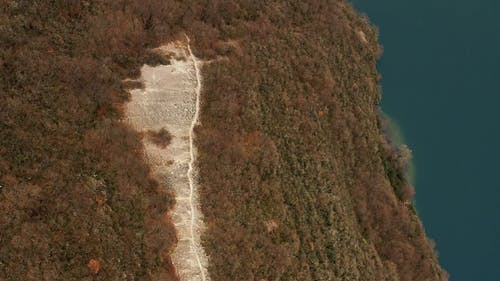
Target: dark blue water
441, 83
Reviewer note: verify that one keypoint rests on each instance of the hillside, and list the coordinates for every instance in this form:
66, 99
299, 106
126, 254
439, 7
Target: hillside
297, 179
293, 146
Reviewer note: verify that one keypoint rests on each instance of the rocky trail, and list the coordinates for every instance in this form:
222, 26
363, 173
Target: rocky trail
170, 100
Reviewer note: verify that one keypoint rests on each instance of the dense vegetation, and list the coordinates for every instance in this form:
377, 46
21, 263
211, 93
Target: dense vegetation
76, 200
298, 181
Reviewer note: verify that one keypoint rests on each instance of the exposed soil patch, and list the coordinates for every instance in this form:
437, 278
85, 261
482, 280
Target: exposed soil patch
167, 110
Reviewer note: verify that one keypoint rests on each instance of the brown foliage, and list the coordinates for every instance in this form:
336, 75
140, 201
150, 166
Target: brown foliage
94, 266
289, 136
161, 138
73, 184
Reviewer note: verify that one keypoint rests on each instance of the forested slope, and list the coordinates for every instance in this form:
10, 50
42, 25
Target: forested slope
298, 181
76, 200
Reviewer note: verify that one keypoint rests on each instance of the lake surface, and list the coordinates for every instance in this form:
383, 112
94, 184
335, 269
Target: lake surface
441, 78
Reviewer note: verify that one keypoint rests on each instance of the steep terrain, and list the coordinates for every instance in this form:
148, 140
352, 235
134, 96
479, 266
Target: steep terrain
170, 102
76, 199
296, 178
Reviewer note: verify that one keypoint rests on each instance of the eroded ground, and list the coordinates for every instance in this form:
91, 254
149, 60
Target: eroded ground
170, 101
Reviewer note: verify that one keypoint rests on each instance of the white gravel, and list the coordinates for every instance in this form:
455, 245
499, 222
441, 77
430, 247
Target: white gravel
170, 99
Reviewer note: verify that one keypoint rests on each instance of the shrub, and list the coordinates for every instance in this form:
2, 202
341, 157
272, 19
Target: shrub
161, 138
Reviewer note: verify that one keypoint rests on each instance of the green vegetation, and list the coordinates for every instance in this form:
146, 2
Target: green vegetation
395, 137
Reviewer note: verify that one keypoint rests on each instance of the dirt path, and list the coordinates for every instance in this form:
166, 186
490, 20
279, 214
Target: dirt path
171, 100
192, 151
